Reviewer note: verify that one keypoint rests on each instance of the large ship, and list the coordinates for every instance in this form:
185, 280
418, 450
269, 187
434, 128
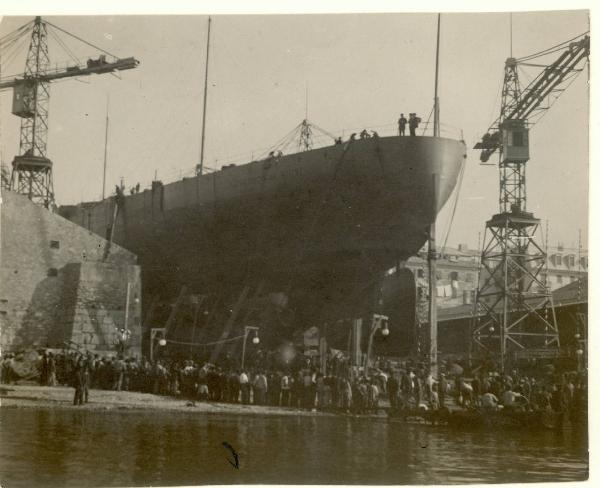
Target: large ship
314, 231
319, 228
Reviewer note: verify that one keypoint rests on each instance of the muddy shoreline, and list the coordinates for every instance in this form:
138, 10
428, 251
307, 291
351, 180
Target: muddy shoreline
43, 397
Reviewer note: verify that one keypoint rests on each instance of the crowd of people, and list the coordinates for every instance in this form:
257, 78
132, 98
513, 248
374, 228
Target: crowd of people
344, 389
305, 388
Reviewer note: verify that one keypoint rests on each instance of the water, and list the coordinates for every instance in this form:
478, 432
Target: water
40, 447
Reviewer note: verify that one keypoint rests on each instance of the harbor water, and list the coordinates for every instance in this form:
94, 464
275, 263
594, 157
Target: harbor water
62, 447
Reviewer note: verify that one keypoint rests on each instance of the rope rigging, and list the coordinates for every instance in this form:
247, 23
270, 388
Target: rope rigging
455, 205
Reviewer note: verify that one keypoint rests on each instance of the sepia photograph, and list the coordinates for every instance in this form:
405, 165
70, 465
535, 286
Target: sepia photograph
294, 248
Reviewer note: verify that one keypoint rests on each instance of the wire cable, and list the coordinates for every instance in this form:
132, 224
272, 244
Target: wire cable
553, 48
231, 339
62, 44
427, 123
81, 40
17, 32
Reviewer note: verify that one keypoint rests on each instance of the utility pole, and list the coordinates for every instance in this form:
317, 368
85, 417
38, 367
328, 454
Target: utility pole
432, 265
432, 250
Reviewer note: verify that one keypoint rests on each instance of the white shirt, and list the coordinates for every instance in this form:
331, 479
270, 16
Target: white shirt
489, 400
508, 398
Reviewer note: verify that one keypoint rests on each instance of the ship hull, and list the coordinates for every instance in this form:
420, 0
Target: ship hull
318, 225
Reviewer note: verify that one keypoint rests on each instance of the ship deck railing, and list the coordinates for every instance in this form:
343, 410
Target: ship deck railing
318, 140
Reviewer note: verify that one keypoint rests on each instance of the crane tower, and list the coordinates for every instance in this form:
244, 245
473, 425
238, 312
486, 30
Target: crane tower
31, 168
514, 314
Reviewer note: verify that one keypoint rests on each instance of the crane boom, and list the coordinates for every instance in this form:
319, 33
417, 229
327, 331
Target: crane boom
93, 66
549, 82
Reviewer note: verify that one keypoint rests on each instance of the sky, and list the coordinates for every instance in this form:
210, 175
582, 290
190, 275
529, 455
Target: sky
346, 71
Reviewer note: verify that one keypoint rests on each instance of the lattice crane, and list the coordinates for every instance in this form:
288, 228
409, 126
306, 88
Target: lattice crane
514, 313
32, 170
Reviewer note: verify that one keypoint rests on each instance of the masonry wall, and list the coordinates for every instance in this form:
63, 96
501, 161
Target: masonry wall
59, 284
97, 301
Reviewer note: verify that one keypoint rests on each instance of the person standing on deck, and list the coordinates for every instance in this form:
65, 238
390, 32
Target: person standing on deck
402, 125
413, 123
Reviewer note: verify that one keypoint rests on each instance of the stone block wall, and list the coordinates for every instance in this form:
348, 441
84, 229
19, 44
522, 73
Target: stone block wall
98, 303
50, 270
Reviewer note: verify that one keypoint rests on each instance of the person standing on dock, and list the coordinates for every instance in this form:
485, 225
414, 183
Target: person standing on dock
245, 387
346, 395
402, 125
79, 381
51, 370
393, 385
44, 370
434, 399
117, 370
260, 389
285, 390
442, 389
234, 386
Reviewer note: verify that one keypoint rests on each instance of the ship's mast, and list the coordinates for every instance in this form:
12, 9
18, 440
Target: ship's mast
436, 106
201, 165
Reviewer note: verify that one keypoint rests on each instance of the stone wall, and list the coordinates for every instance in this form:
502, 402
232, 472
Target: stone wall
52, 272
97, 302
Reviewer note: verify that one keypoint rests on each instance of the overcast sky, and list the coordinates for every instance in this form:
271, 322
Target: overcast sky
361, 71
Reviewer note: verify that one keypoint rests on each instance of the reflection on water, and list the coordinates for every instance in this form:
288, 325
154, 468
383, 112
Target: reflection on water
86, 448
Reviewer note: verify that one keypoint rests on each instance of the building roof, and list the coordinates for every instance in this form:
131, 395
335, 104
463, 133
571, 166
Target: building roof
575, 292
570, 294
454, 313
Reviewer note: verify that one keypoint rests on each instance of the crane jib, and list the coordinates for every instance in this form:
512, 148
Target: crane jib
547, 83
76, 71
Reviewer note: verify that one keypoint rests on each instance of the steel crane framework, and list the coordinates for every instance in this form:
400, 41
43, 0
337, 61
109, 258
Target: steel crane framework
31, 169
514, 313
